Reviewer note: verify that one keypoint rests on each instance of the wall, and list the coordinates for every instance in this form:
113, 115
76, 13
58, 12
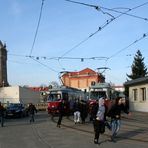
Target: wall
17, 94
28, 96
138, 105
10, 94
82, 79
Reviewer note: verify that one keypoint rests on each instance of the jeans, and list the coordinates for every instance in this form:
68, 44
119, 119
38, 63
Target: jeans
115, 126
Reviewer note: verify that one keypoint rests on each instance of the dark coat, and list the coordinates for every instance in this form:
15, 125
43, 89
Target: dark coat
115, 111
76, 106
2, 110
32, 109
62, 107
93, 110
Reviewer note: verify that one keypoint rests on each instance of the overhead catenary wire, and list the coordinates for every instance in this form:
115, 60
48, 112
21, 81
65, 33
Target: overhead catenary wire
101, 27
61, 58
146, 19
134, 42
45, 65
105, 58
87, 58
99, 8
38, 24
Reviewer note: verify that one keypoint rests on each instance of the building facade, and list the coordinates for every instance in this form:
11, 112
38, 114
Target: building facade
138, 94
17, 94
3, 65
82, 79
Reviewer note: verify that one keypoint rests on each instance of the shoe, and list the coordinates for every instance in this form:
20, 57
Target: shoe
96, 141
58, 125
113, 139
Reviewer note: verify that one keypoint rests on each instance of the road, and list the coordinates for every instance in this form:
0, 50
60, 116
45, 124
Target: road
19, 133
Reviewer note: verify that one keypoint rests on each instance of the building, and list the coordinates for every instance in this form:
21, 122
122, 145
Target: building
138, 94
17, 94
119, 88
3, 65
82, 79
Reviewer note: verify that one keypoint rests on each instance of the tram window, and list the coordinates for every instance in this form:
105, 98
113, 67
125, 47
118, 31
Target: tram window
65, 96
96, 95
54, 97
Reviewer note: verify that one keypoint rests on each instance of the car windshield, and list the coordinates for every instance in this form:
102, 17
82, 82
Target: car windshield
14, 105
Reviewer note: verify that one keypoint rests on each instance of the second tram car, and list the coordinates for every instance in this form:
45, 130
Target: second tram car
69, 94
99, 90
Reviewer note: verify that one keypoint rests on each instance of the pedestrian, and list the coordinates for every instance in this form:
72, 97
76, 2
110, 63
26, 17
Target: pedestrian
32, 110
93, 108
115, 114
62, 107
83, 110
99, 125
2, 110
76, 109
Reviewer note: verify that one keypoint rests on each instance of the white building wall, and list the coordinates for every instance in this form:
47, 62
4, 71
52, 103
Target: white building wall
17, 94
139, 104
9, 94
28, 96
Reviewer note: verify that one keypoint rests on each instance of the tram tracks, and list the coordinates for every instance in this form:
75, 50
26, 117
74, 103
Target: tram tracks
39, 137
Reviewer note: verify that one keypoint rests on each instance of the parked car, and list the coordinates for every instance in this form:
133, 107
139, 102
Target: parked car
17, 110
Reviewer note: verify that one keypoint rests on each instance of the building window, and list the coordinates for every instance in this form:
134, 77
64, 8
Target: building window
135, 94
143, 94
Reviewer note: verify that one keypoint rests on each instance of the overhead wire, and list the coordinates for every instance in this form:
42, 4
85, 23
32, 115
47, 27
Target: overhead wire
38, 24
45, 65
61, 58
101, 27
134, 42
34, 40
99, 8
146, 19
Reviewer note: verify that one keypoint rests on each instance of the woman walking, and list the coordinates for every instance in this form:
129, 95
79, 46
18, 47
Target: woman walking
99, 125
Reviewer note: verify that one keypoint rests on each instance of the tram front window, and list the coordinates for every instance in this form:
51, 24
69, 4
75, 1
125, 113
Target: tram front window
54, 97
96, 95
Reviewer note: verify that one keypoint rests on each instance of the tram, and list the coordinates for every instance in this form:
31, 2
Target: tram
69, 94
104, 90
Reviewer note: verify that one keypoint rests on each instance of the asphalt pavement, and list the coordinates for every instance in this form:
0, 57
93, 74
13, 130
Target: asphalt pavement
19, 133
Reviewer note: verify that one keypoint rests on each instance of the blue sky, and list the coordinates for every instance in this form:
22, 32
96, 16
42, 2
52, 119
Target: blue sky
64, 25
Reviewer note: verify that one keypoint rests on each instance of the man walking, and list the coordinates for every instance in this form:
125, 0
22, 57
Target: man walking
2, 114
32, 109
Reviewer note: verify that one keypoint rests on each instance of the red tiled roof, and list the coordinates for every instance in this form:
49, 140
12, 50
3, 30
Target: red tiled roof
84, 71
39, 88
